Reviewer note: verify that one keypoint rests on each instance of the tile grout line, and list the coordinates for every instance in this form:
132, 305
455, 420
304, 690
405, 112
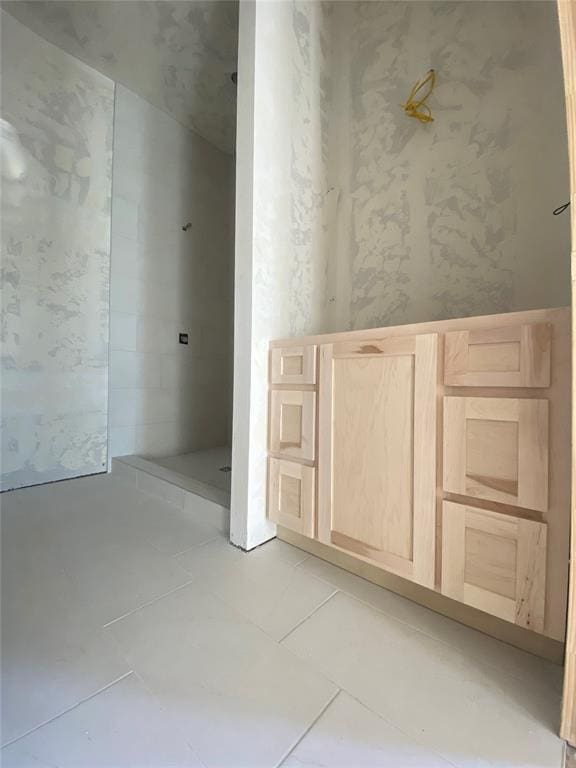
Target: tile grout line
69, 709
197, 546
156, 698
308, 616
309, 728
353, 696
412, 737
146, 605
415, 628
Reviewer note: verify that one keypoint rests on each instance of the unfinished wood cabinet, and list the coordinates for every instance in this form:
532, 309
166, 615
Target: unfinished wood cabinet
291, 494
377, 466
497, 449
510, 356
293, 365
495, 562
293, 423
389, 425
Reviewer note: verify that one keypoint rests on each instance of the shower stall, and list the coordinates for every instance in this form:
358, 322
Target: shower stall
118, 241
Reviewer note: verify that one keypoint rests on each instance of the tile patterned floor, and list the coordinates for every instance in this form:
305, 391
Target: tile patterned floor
134, 635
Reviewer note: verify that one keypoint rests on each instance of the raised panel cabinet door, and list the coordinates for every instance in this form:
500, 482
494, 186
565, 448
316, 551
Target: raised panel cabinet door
497, 449
377, 452
293, 423
293, 365
512, 356
291, 494
495, 562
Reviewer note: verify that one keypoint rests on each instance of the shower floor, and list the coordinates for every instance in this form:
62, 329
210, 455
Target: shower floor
199, 472
206, 466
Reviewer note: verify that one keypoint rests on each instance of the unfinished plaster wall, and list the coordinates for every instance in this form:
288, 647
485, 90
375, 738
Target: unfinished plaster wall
454, 217
55, 263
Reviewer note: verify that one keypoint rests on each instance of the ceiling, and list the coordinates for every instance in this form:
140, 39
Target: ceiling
179, 56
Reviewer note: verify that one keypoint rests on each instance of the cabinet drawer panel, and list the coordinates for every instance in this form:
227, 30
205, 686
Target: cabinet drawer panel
293, 423
291, 495
513, 356
293, 365
495, 562
497, 449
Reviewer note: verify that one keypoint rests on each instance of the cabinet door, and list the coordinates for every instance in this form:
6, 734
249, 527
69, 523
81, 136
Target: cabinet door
291, 493
293, 365
513, 356
497, 449
377, 452
494, 562
293, 423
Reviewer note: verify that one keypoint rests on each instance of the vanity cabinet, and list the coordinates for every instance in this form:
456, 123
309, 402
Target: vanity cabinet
438, 453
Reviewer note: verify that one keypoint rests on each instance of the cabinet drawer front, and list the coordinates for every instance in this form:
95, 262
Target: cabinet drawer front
514, 356
291, 495
293, 365
293, 423
495, 562
497, 449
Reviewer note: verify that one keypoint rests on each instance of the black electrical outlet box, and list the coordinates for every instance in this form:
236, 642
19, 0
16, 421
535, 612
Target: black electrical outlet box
183, 338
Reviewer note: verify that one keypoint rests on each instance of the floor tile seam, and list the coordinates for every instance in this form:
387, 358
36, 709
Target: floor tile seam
156, 697
307, 730
430, 635
148, 603
308, 616
285, 590
70, 708
415, 739
196, 546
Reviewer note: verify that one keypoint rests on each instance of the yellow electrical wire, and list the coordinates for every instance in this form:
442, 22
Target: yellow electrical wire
417, 107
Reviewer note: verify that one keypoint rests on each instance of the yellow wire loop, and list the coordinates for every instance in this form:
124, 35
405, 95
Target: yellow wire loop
417, 107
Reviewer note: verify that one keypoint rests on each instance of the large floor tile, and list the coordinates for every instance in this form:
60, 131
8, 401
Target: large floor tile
53, 654
121, 726
348, 735
475, 645
237, 696
281, 550
118, 580
71, 561
48, 667
264, 585
114, 548
59, 494
172, 530
459, 708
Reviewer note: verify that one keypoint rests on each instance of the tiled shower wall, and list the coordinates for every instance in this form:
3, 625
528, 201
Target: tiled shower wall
166, 397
